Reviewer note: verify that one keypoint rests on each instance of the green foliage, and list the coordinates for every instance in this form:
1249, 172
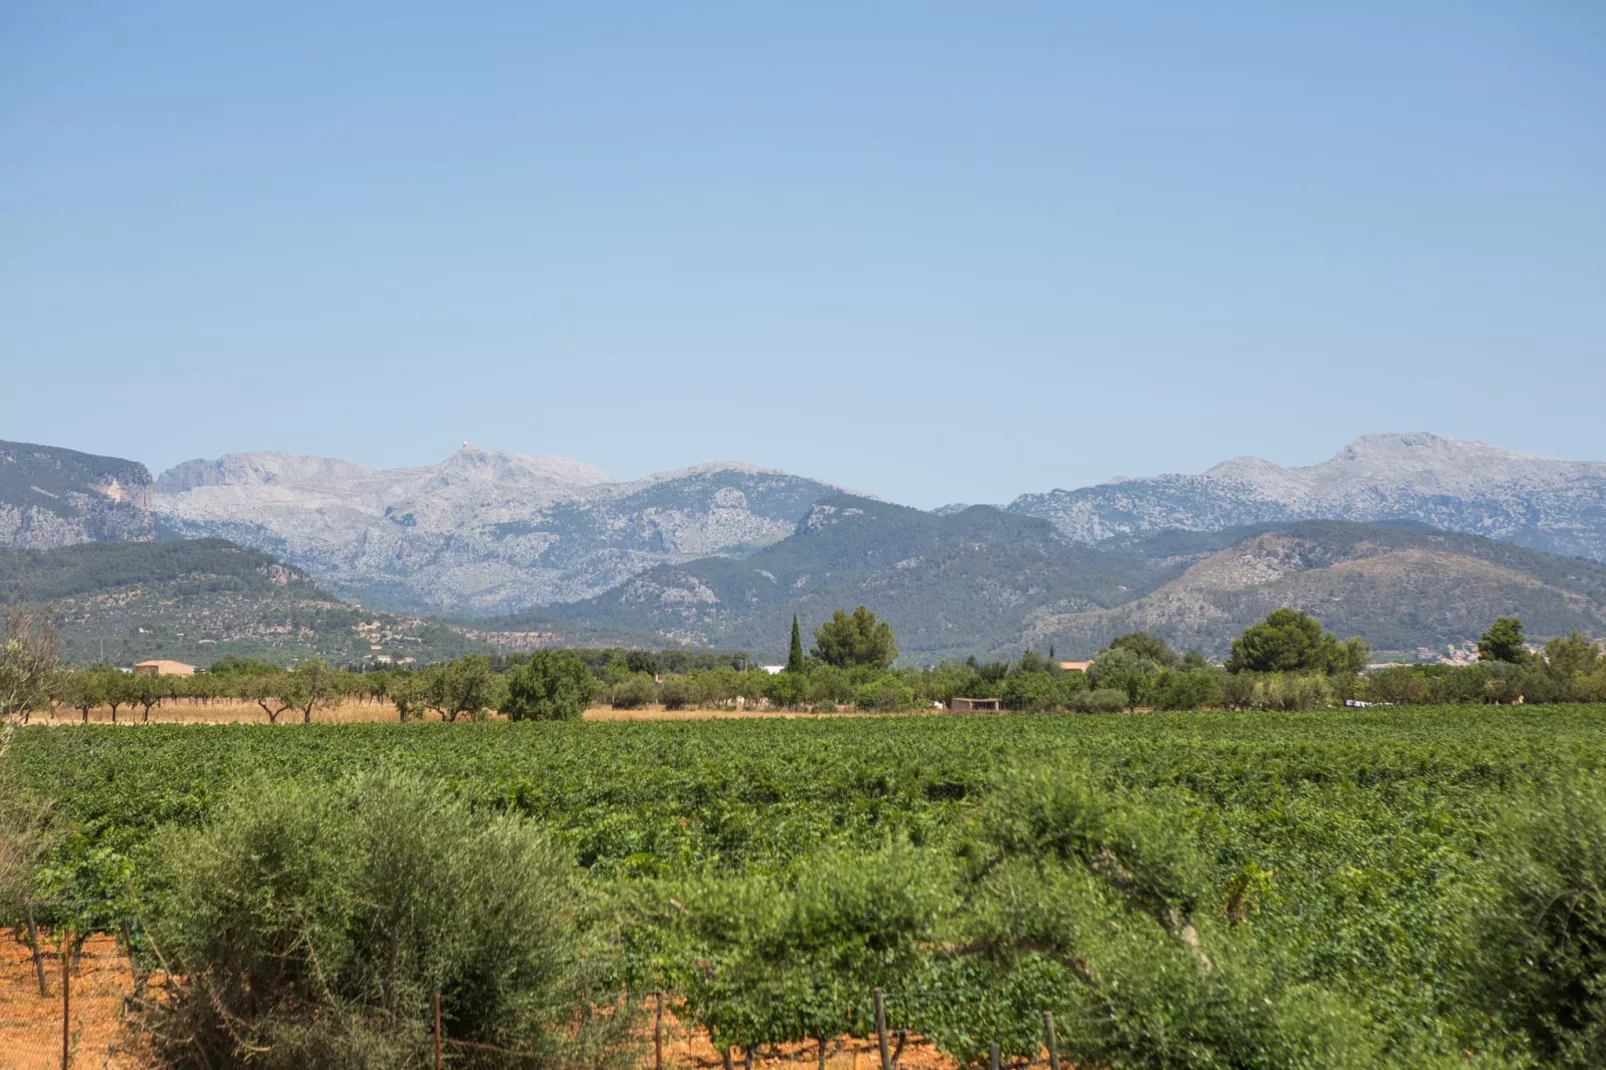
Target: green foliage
463, 686
1100, 700
1537, 940
311, 927
1291, 641
790, 956
1504, 641
884, 693
235, 665
1120, 669
794, 654
788, 689
633, 692
1147, 647
855, 640
553, 685
1328, 864
676, 693
1193, 689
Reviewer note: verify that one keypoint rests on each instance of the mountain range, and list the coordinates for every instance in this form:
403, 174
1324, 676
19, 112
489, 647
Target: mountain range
483, 531
1471, 487
1410, 540
53, 497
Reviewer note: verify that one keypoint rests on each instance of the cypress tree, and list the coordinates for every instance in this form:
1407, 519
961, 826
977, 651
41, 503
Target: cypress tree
794, 657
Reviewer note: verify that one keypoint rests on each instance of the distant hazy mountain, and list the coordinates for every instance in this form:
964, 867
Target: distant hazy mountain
1399, 588
986, 582
483, 531
1552, 505
53, 497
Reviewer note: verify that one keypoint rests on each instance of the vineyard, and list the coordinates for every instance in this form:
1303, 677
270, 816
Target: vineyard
1191, 889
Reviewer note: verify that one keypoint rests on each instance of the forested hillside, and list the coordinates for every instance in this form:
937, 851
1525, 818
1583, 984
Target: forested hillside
1398, 587
199, 600
980, 581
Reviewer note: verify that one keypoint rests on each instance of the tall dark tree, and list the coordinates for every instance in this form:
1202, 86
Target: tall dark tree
1147, 646
794, 656
856, 639
1504, 641
1291, 641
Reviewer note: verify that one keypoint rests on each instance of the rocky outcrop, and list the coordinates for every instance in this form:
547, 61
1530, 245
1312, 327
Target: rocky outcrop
484, 531
1552, 505
51, 497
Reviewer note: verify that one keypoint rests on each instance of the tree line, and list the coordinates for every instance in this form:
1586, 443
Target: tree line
1286, 661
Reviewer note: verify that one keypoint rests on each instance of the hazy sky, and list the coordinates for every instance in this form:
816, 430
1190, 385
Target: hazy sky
941, 252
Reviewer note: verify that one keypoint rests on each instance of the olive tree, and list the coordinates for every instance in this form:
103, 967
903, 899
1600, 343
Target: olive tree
304, 926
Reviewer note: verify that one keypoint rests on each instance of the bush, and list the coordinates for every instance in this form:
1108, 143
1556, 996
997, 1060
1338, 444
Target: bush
1188, 690
788, 689
1537, 952
312, 927
553, 685
886, 693
1031, 691
1103, 700
676, 693
634, 692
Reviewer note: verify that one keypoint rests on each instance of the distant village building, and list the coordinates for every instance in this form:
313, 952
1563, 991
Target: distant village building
161, 667
1074, 666
977, 705
773, 669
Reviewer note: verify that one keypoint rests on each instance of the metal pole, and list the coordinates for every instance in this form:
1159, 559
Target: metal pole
1048, 1035
437, 1031
992, 1059
881, 1029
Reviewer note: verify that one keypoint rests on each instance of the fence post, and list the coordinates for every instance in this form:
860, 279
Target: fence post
66, 1001
992, 1058
658, 1032
1048, 1035
437, 1031
881, 1029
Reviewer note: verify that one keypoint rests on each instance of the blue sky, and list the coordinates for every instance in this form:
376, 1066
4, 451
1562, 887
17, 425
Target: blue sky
941, 252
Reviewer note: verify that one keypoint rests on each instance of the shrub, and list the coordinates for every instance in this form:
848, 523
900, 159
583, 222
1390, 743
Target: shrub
1537, 948
1031, 691
676, 693
553, 685
634, 692
1103, 700
885, 693
1188, 690
788, 689
312, 928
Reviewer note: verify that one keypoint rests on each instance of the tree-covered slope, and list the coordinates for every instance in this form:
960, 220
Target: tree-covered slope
54, 497
954, 584
199, 600
986, 582
1398, 587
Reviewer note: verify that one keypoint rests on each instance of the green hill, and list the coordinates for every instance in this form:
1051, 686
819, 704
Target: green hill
981, 581
951, 585
199, 600
1400, 587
